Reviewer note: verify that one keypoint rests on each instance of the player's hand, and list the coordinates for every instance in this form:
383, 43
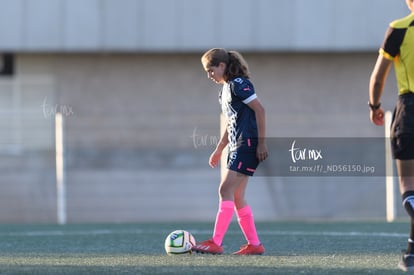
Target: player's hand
377, 117
261, 152
214, 158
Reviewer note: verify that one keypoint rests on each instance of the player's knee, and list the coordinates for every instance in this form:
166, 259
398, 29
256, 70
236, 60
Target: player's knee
225, 191
408, 202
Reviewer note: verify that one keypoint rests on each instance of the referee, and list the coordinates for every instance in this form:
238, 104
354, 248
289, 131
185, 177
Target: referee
398, 48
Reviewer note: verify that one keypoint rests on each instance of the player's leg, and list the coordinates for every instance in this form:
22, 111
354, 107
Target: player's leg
402, 145
239, 195
230, 183
405, 170
246, 221
228, 187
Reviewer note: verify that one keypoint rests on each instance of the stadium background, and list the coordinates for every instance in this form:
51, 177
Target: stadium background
141, 117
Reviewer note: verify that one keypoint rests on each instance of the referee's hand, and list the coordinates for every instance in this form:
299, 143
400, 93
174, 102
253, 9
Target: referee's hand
377, 117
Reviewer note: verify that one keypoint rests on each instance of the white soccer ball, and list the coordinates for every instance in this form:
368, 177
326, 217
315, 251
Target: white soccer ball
179, 242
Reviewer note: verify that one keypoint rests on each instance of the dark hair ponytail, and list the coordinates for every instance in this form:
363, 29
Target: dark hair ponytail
236, 66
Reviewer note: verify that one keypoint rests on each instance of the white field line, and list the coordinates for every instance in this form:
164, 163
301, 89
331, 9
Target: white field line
95, 232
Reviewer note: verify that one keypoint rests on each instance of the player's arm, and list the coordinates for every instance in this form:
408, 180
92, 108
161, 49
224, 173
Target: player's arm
224, 140
259, 111
376, 87
216, 155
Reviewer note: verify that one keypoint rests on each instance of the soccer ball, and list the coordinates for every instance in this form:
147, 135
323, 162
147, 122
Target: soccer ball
179, 242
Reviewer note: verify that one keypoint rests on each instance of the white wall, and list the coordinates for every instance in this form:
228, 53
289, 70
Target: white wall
188, 25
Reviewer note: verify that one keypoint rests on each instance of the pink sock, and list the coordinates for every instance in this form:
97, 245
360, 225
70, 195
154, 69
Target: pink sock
246, 222
223, 220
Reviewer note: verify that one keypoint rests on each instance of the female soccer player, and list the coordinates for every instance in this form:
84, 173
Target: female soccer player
245, 139
398, 48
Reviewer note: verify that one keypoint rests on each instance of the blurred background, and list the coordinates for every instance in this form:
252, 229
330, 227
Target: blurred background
141, 117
